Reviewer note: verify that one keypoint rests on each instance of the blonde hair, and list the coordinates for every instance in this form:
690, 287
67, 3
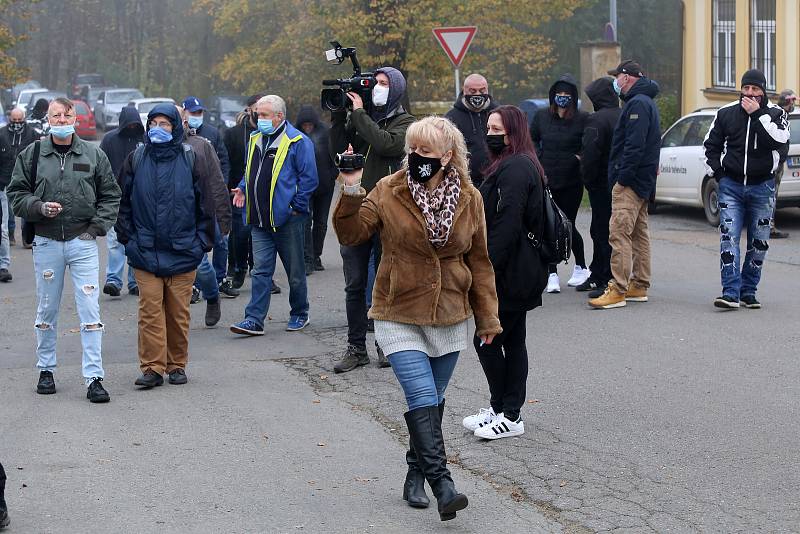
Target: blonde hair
441, 135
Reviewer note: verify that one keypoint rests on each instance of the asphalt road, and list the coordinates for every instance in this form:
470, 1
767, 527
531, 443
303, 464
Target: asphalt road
667, 416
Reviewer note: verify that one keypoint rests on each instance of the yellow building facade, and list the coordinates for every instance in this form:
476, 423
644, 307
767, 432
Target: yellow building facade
724, 38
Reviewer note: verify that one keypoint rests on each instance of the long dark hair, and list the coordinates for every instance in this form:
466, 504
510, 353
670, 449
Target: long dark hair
515, 123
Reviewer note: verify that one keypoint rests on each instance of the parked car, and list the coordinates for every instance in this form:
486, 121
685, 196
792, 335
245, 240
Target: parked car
144, 105
222, 110
110, 103
531, 106
79, 81
9, 96
682, 176
90, 93
85, 126
26, 98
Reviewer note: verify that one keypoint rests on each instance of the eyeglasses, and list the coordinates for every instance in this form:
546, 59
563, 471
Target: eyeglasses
161, 124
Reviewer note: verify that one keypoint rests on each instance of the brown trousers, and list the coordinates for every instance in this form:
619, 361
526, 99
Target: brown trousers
164, 321
629, 238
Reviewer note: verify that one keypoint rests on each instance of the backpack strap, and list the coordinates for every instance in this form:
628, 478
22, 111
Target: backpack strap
37, 146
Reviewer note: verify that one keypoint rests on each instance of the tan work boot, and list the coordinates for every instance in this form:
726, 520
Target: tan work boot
612, 298
636, 293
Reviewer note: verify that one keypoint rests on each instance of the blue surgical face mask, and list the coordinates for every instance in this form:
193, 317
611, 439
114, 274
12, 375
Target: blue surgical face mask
617, 88
159, 135
62, 132
563, 101
195, 122
266, 127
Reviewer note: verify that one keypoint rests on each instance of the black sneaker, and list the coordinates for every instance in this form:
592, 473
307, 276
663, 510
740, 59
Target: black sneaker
178, 377
195, 296
96, 392
353, 357
226, 290
318, 264
750, 302
46, 385
134, 291
238, 280
213, 312
5, 276
4, 519
588, 285
598, 292
726, 302
111, 289
150, 379
276, 290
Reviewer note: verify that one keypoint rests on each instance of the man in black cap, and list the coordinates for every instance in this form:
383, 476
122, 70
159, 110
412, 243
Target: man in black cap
747, 140
632, 171
786, 101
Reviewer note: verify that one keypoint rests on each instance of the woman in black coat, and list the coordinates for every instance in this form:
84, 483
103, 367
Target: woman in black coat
557, 133
512, 195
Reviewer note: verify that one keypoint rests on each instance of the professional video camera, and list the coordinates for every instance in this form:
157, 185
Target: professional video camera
361, 82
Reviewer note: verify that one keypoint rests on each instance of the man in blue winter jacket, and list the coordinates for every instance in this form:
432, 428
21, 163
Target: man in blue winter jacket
632, 171
280, 177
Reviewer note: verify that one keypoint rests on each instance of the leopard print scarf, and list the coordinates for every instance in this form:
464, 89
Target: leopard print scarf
438, 207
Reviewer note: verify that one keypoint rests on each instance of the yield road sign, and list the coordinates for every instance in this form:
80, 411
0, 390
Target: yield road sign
455, 41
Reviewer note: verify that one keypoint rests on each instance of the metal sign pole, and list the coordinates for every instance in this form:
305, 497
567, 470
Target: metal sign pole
458, 81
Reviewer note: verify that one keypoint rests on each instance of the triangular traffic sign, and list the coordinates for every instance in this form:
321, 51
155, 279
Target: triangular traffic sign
455, 41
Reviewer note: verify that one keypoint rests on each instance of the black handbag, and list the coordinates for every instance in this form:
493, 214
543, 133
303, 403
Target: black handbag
28, 228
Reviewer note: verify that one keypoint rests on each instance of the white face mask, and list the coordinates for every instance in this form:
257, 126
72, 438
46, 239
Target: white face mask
380, 95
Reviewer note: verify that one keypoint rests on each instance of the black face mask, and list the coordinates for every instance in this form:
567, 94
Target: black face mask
477, 101
496, 143
15, 127
422, 169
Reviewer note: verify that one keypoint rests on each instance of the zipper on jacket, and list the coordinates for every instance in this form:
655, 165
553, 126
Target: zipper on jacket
63, 158
255, 184
746, 142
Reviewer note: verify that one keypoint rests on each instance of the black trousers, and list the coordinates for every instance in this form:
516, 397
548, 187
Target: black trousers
569, 200
317, 225
601, 249
355, 261
505, 364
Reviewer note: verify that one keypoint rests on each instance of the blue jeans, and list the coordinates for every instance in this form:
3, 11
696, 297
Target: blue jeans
206, 279
220, 257
743, 206
288, 242
423, 379
51, 259
116, 262
5, 252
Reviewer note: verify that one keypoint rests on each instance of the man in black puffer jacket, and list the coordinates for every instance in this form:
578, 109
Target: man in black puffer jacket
470, 113
744, 146
596, 149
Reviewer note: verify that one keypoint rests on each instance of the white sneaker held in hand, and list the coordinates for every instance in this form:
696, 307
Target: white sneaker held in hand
482, 418
501, 428
553, 283
579, 276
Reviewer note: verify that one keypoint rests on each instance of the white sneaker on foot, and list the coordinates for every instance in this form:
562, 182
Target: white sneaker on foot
579, 276
501, 428
553, 283
482, 418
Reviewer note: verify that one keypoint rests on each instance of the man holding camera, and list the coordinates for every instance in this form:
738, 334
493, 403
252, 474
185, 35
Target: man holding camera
380, 135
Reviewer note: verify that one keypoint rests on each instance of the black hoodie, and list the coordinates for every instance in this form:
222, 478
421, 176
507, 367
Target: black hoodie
558, 141
473, 125
120, 142
326, 170
599, 133
11, 144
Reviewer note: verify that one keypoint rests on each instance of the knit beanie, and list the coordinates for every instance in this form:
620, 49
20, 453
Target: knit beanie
755, 77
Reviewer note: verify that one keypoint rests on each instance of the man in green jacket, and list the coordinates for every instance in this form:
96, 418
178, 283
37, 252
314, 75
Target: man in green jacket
71, 198
380, 135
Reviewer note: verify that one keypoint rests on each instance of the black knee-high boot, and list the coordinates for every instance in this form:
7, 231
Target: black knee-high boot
414, 487
425, 429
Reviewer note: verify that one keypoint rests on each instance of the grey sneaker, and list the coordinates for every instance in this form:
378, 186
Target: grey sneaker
353, 357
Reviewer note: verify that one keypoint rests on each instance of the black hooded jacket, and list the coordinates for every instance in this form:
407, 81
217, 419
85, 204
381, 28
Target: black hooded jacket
558, 141
235, 140
636, 147
11, 144
120, 142
326, 170
473, 125
599, 133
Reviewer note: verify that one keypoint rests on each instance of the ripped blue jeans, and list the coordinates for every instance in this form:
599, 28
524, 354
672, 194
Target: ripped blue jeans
743, 207
51, 259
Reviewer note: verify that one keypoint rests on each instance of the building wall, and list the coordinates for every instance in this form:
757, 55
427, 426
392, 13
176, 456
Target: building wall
697, 89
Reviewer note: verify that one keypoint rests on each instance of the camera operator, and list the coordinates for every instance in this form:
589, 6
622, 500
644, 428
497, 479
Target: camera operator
380, 136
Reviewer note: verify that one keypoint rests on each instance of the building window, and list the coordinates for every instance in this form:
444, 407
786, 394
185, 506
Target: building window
724, 49
762, 39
